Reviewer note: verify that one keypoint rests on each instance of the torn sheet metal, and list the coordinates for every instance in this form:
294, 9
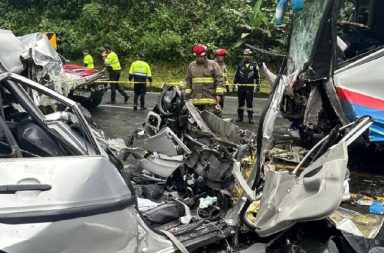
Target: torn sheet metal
288, 199
294, 155
43, 54
11, 49
197, 118
251, 194
268, 119
313, 107
166, 142
227, 130
161, 165
255, 248
365, 225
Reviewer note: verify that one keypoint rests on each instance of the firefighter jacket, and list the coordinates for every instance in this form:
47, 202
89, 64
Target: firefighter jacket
247, 73
112, 62
88, 61
140, 72
204, 82
223, 68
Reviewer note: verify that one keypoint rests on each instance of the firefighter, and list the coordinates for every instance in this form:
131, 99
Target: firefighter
204, 81
113, 67
88, 60
140, 72
247, 74
219, 58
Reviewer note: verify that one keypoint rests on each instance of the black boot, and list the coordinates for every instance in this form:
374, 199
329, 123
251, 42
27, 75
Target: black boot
240, 115
126, 99
250, 117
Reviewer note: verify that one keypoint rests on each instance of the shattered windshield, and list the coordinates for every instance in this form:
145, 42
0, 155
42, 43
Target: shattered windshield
305, 26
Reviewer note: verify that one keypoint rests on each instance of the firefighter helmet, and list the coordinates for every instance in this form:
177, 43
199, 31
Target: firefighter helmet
199, 49
221, 52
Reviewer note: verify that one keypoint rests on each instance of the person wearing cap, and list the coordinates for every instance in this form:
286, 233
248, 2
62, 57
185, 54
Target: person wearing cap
88, 60
246, 77
204, 81
219, 58
112, 64
140, 72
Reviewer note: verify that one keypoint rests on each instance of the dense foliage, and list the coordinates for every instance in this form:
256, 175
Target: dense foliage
164, 30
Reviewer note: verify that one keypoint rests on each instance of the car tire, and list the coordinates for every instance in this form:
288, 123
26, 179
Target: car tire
91, 102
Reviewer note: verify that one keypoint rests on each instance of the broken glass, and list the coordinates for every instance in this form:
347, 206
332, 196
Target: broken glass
305, 26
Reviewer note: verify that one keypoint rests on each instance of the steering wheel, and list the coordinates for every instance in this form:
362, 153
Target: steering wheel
166, 101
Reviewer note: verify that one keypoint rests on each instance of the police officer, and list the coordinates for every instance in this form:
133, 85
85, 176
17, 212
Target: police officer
204, 81
88, 60
140, 72
219, 58
247, 74
112, 63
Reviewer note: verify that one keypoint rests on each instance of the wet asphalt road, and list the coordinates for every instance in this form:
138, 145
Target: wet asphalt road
118, 120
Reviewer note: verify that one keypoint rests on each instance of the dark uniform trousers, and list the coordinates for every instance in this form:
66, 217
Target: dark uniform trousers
114, 75
245, 95
140, 89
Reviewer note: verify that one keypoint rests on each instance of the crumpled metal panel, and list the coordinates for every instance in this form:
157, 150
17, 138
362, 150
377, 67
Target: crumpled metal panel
11, 48
109, 232
196, 117
314, 195
150, 242
313, 107
224, 129
166, 142
161, 165
43, 54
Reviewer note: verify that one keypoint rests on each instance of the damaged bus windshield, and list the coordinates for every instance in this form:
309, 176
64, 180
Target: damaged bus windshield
305, 26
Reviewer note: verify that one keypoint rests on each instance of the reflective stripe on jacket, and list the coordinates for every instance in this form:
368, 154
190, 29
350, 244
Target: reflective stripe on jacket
204, 81
140, 72
112, 61
247, 73
88, 61
223, 68
140, 68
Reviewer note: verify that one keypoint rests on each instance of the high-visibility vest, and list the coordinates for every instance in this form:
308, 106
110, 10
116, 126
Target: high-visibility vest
140, 68
113, 61
88, 61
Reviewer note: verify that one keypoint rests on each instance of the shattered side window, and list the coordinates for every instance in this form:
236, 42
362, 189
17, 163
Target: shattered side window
305, 26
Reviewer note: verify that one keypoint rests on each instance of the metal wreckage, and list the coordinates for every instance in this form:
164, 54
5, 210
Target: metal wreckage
201, 183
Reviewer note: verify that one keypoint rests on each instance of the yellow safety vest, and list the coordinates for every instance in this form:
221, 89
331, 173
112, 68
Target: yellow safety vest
88, 61
113, 61
140, 68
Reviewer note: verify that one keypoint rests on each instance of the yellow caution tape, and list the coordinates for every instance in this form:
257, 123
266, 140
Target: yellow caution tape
162, 84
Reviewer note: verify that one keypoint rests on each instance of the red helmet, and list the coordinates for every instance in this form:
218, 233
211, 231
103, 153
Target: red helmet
221, 52
200, 49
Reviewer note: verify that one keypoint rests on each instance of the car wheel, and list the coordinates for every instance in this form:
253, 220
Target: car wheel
91, 102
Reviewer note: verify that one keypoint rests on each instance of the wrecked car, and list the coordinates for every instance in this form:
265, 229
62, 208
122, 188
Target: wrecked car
34, 57
210, 167
332, 74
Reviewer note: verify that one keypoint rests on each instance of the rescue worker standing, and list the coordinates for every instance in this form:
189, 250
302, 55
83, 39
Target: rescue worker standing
112, 64
140, 72
219, 58
204, 81
88, 60
247, 74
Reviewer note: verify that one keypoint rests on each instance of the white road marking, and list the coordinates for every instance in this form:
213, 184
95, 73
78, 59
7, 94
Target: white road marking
116, 106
